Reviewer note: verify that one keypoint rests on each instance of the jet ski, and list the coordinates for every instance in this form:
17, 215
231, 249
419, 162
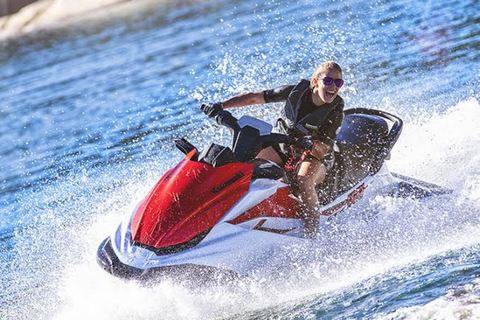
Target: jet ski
219, 209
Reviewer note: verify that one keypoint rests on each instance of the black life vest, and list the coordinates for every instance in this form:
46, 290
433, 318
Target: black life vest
312, 122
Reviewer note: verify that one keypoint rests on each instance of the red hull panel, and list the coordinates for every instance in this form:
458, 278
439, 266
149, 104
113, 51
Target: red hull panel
279, 205
188, 200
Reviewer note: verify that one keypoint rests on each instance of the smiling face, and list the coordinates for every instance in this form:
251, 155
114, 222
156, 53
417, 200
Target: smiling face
325, 93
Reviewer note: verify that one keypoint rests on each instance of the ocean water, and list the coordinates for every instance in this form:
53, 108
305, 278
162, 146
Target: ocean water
89, 110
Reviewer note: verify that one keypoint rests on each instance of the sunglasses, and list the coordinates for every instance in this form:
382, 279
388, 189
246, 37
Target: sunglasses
329, 81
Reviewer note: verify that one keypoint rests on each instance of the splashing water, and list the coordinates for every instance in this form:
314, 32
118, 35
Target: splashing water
100, 107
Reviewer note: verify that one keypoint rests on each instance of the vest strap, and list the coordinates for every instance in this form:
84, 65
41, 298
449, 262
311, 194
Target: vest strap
290, 165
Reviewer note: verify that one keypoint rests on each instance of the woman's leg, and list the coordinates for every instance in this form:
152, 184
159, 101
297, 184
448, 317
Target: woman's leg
270, 154
311, 173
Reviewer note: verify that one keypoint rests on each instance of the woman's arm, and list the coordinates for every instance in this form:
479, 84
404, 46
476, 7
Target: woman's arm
326, 137
244, 99
259, 97
320, 149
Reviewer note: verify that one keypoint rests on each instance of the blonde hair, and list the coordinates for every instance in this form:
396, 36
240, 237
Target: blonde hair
324, 67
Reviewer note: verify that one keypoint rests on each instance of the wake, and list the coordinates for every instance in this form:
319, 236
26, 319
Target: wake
58, 252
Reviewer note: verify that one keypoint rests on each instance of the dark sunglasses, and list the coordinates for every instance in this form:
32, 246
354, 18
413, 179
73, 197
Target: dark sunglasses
329, 81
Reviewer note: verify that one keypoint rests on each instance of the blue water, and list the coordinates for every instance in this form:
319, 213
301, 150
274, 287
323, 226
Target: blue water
89, 111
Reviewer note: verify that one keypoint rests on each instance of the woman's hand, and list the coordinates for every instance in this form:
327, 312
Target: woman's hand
211, 110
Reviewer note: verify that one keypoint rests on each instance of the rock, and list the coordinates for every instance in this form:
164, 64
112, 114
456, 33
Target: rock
47, 13
8, 7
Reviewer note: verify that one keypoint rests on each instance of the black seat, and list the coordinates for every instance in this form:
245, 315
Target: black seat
361, 141
267, 170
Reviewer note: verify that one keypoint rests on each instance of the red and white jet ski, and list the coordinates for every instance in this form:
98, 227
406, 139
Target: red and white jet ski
220, 209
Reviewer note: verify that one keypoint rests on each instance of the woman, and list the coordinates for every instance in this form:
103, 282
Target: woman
312, 108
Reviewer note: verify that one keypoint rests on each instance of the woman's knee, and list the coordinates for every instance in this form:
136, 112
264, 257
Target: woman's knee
311, 172
270, 154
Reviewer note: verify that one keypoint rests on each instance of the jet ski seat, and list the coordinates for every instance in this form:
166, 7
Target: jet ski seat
267, 169
361, 148
362, 136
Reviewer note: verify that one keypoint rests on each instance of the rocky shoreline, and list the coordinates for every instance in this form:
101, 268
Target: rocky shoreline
32, 15
8, 7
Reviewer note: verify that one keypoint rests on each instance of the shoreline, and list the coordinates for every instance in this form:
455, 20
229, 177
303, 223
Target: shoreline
41, 14
9, 7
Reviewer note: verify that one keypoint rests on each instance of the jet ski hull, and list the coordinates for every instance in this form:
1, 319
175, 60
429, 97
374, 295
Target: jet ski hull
192, 273
221, 214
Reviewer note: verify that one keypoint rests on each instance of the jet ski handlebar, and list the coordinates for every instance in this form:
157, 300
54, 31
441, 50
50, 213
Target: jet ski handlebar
226, 119
248, 140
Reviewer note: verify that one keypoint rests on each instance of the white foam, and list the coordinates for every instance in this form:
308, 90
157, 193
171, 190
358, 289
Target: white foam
406, 232
444, 148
